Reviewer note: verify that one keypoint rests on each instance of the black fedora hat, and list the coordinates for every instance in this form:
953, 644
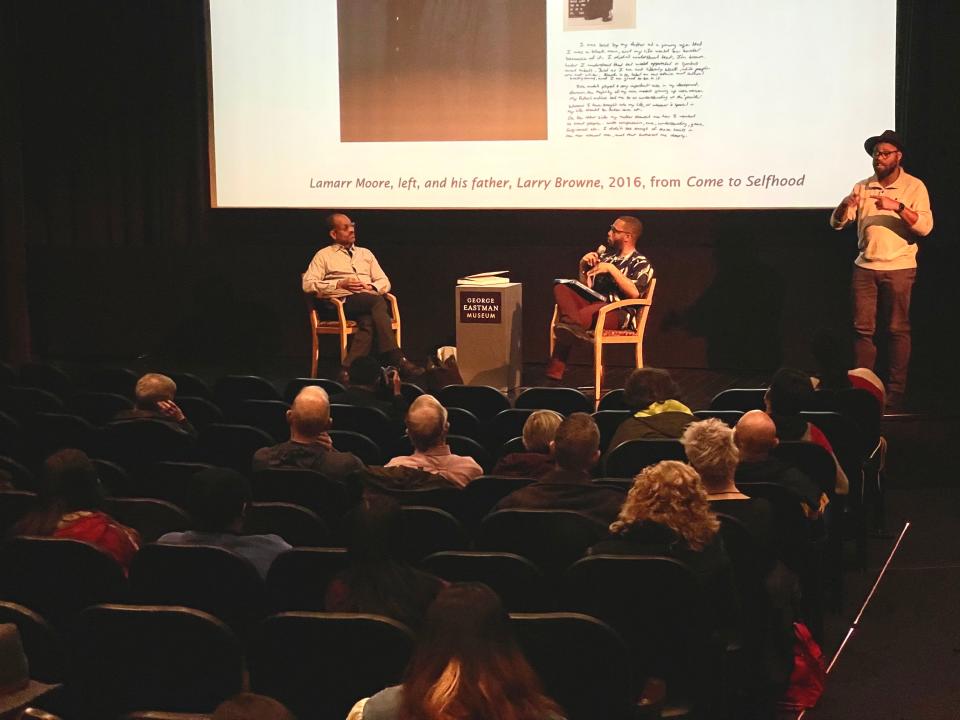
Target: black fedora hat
887, 136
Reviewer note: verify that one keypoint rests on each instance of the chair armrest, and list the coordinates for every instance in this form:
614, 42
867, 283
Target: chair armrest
609, 307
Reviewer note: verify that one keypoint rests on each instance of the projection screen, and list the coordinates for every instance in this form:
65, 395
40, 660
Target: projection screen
545, 103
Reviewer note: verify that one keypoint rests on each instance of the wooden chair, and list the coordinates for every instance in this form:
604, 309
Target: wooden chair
341, 327
603, 337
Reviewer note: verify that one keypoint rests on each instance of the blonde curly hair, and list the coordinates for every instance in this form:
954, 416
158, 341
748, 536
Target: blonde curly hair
670, 493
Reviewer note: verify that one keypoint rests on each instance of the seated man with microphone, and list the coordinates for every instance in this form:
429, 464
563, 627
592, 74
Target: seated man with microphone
616, 271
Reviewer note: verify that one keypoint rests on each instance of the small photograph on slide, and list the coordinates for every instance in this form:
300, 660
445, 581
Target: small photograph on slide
435, 70
600, 15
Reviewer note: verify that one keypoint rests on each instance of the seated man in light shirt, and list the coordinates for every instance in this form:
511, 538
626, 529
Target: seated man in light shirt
344, 270
427, 428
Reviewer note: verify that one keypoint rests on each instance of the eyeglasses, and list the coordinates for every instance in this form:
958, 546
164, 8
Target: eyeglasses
884, 153
618, 230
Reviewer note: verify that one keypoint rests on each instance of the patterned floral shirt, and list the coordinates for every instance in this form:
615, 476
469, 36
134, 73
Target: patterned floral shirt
635, 267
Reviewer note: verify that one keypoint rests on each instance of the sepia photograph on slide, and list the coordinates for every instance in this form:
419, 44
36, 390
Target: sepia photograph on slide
600, 15
436, 70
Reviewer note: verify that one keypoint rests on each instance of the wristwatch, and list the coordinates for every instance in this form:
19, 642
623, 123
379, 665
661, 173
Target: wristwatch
901, 208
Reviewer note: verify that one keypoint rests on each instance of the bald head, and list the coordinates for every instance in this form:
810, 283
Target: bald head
755, 436
310, 414
153, 388
427, 423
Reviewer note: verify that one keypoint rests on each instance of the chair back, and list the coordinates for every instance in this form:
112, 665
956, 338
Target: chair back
190, 384
57, 577
297, 384
298, 578
742, 399
14, 505
613, 400
465, 423
560, 399
49, 432
42, 644
730, 417
552, 539
460, 445
607, 422
232, 446
482, 495
106, 379
47, 377
138, 658
202, 577
812, 460
582, 662
24, 402
230, 390
200, 411
428, 530
519, 583
655, 605
100, 407
173, 481
365, 448
148, 516
137, 444
482, 400
319, 664
295, 524
370, 421
267, 415
632, 456
506, 425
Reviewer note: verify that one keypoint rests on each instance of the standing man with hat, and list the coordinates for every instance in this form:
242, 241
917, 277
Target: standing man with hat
892, 209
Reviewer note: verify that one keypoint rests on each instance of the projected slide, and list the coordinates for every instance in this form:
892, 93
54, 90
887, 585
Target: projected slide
545, 103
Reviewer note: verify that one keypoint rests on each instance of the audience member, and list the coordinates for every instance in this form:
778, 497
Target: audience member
427, 429
652, 396
768, 588
466, 665
367, 389
154, 400
712, 453
834, 359
309, 446
667, 513
250, 706
17, 690
756, 438
789, 394
71, 499
379, 580
217, 503
536, 460
576, 449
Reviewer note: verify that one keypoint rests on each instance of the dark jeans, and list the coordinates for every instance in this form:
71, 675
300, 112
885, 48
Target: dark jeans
371, 312
574, 309
882, 297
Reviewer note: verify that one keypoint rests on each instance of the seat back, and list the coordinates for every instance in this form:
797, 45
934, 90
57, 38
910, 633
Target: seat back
460, 445
560, 399
298, 578
812, 460
100, 407
47, 377
359, 444
482, 400
190, 384
369, 421
172, 481
200, 411
506, 425
320, 664
742, 399
137, 444
232, 446
519, 583
297, 384
267, 415
730, 417
21, 477
632, 456
482, 494
148, 516
14, 505
552, 539
57, 577
295, 524
49, 432
41, 643
464, 423
655, 605
613, 400
230, 390
202, 577
607, 422
171, 659
326, 497
581, 661
428, 530
106, 379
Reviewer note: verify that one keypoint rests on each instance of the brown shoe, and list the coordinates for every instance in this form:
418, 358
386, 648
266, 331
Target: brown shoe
409, 370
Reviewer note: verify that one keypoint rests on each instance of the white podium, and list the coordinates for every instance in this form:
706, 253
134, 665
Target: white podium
489, 325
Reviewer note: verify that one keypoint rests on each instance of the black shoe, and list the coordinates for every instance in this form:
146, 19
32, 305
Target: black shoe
570, 332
